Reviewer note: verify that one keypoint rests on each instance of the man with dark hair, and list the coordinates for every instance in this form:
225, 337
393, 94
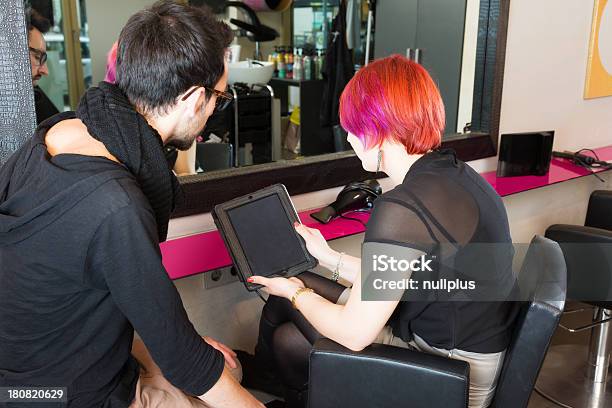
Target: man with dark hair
37, 26
83, 207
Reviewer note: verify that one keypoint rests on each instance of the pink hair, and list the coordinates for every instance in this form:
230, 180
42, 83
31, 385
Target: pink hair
111, 65
393, 98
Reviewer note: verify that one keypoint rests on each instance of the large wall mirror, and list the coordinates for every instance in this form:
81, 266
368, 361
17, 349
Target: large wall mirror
273, 132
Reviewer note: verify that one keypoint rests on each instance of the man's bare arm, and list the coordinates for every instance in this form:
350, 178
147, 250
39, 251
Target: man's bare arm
228, 393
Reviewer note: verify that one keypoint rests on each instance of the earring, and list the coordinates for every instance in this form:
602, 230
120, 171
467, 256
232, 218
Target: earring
379, 160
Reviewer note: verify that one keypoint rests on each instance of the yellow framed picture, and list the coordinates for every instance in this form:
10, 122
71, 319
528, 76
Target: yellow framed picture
599, 70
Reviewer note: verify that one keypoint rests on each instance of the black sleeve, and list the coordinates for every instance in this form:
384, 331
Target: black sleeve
44, 107
401, 223
125, 252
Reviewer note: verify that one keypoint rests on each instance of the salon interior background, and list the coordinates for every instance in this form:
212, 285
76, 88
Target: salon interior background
545, 70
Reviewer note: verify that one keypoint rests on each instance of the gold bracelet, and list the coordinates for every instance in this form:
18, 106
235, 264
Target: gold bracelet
298, 293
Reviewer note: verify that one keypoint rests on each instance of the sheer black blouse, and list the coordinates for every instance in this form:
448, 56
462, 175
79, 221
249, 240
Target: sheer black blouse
443, 201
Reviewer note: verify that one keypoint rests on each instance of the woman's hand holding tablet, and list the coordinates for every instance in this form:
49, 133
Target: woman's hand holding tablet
317, 245
281, 287
258, 230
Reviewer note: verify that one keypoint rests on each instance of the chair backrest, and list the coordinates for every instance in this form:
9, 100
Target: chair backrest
588, 256
535, 326
214, 156
599, 212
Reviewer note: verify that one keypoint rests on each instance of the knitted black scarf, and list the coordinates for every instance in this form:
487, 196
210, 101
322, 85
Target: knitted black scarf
111, 119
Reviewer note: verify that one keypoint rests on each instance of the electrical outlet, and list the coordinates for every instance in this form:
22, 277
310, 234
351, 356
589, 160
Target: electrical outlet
220, 277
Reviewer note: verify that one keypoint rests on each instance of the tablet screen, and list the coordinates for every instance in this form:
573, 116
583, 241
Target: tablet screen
267, 236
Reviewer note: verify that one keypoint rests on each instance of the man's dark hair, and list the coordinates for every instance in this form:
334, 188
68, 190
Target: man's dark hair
36, 21
166, 49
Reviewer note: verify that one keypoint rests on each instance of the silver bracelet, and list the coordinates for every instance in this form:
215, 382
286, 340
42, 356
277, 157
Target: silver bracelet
336, 273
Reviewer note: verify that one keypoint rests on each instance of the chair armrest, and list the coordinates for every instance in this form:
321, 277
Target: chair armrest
384, 376
599, 212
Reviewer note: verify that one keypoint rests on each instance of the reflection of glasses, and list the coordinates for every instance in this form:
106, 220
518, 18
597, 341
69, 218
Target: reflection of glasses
223, 98
39, 55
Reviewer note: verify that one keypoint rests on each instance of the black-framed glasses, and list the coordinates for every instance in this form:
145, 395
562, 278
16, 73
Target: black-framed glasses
223, 98
39, 55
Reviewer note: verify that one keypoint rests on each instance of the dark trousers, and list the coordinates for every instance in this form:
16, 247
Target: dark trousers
286, 338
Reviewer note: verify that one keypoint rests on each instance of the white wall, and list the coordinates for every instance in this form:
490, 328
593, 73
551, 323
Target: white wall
546, 60
106, 19
544, 80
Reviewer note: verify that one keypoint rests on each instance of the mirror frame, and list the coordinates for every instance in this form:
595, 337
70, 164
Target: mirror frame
308, 174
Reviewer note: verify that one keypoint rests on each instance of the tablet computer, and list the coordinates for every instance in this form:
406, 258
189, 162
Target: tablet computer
258, 231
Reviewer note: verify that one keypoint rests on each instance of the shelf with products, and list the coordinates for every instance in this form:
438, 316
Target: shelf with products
315, 139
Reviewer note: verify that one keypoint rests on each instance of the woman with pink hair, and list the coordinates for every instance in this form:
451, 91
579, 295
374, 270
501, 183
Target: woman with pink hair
394, 115
111, 64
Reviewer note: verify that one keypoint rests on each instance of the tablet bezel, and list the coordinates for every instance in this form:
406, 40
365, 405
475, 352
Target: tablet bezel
227, 232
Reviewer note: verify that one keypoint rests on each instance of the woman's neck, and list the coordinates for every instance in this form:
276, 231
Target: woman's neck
396, 162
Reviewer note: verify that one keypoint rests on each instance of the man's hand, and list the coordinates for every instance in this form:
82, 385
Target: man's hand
228, 353
227, 393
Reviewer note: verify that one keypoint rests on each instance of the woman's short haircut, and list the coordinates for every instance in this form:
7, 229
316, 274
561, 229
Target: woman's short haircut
394, 98
111, 65
166, 49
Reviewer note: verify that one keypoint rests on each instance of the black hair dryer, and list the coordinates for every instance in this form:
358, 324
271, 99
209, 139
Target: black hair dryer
355, 196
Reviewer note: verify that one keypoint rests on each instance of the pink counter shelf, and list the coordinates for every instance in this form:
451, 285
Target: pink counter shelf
206, 251
560, 170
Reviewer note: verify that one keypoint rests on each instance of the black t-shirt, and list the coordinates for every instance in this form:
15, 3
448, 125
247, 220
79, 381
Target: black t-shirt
44, 107
443, 202
80, 269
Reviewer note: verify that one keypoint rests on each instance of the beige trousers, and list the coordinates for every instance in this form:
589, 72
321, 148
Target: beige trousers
484, 367
154, 391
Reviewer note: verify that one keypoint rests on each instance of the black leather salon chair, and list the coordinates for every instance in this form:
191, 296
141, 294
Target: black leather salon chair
577, 375
388, 376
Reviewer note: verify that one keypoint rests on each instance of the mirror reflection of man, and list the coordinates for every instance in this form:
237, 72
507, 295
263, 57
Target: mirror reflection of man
37, 26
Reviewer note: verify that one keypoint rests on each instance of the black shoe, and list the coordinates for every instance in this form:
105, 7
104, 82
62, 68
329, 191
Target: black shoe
258, 376
296, 398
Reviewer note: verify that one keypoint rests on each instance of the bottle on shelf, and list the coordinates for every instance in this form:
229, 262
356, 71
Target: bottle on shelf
273, 58
281, 65
298, 68
307, 64
289, 63
318, 65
